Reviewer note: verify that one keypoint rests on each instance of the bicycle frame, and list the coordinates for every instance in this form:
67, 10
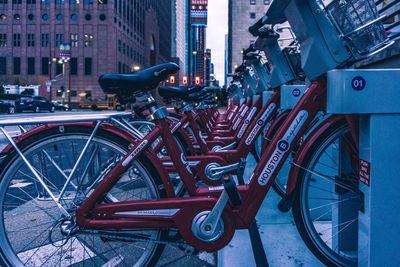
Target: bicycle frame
136, 213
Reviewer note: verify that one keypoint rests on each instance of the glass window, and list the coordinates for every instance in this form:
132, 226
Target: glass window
88, 40
102, 17
3, 1
3, 39
59, 2
74, 40
17, 17
45, 66
59, 67
17, 1
45, 2
252, 15
30, 2
3, 16
119, 45
59, 39
17, 39
59, 17
3, 65
74, 17
31, 39
73, 2
102, 2
88, 17
74, 66
252, 2
88, 2
45, 17
17, 65
31, 66
88, 66
267, 2
31, 16
45, 39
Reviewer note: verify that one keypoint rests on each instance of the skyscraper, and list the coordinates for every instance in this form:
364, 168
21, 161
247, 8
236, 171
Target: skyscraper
198, 16
242, 14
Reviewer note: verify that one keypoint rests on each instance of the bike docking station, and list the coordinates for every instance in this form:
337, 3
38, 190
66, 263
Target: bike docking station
290, 95
373, 95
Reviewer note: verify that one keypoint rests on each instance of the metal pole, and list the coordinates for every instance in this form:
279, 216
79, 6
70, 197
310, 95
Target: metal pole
189, 28
63, 93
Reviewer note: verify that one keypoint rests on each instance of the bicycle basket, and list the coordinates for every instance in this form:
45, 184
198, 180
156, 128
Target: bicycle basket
359, 23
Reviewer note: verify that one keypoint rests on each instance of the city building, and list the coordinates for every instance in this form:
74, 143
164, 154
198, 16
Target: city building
198, 15
179, 38
103, 36
242, 14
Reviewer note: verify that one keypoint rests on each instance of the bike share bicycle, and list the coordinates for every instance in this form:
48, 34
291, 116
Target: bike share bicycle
91, 210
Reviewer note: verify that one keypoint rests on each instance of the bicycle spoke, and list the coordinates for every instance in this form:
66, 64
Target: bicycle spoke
330, 204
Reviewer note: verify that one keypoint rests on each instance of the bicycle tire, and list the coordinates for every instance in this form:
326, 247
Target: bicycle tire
35, 141
314, 227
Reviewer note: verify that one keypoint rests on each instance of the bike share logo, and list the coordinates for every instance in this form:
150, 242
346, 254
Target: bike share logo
240, 118
282, 147
260, 123
134, 153
296, 92
247, 121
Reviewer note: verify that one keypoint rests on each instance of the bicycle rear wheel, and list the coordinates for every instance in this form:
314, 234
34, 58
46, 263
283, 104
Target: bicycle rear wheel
30, 229
328, 201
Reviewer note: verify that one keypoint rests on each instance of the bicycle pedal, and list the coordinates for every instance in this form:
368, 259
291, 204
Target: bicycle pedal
230, 186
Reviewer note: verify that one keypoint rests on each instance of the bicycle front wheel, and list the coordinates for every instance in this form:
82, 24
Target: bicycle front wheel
328, 200
30, 228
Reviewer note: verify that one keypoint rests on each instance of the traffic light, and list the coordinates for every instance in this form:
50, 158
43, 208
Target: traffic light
197, 80
185, 79
172, 79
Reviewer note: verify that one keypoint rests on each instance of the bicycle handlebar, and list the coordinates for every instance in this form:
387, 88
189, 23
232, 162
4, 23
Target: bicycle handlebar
254, 29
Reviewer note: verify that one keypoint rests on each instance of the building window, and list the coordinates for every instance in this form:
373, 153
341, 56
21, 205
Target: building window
45, 17
73, 93
45, 66
30, 39
74, 40
102, 2
88, 40
17, 39
3, 16
17, 66
45, 2
73, 66
119, 67
252, 2
74, 17
31, 66
123, 48
45, 39
30, 2
119, 45
59, 17
3, 1
102, 17
59, 2
59, 67
266, 2
31, 17
252, 15
3, 39
3, 65
17, 1
88, 17
88, 66
72, 2
88, 2
59, 39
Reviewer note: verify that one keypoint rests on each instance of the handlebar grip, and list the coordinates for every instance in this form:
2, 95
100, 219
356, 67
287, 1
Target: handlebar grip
254, 29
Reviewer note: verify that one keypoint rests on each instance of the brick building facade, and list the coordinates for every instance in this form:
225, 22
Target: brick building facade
106, 36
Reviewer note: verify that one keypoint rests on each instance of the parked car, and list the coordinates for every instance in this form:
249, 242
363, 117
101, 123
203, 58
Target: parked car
6, 107
60, 106
34, 103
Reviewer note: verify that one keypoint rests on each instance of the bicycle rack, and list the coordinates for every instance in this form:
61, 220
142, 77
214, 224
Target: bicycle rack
374, 95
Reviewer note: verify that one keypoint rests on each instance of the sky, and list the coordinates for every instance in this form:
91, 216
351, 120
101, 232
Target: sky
216, 30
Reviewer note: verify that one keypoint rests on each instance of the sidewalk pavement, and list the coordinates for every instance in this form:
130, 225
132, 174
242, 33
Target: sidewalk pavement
282, 243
